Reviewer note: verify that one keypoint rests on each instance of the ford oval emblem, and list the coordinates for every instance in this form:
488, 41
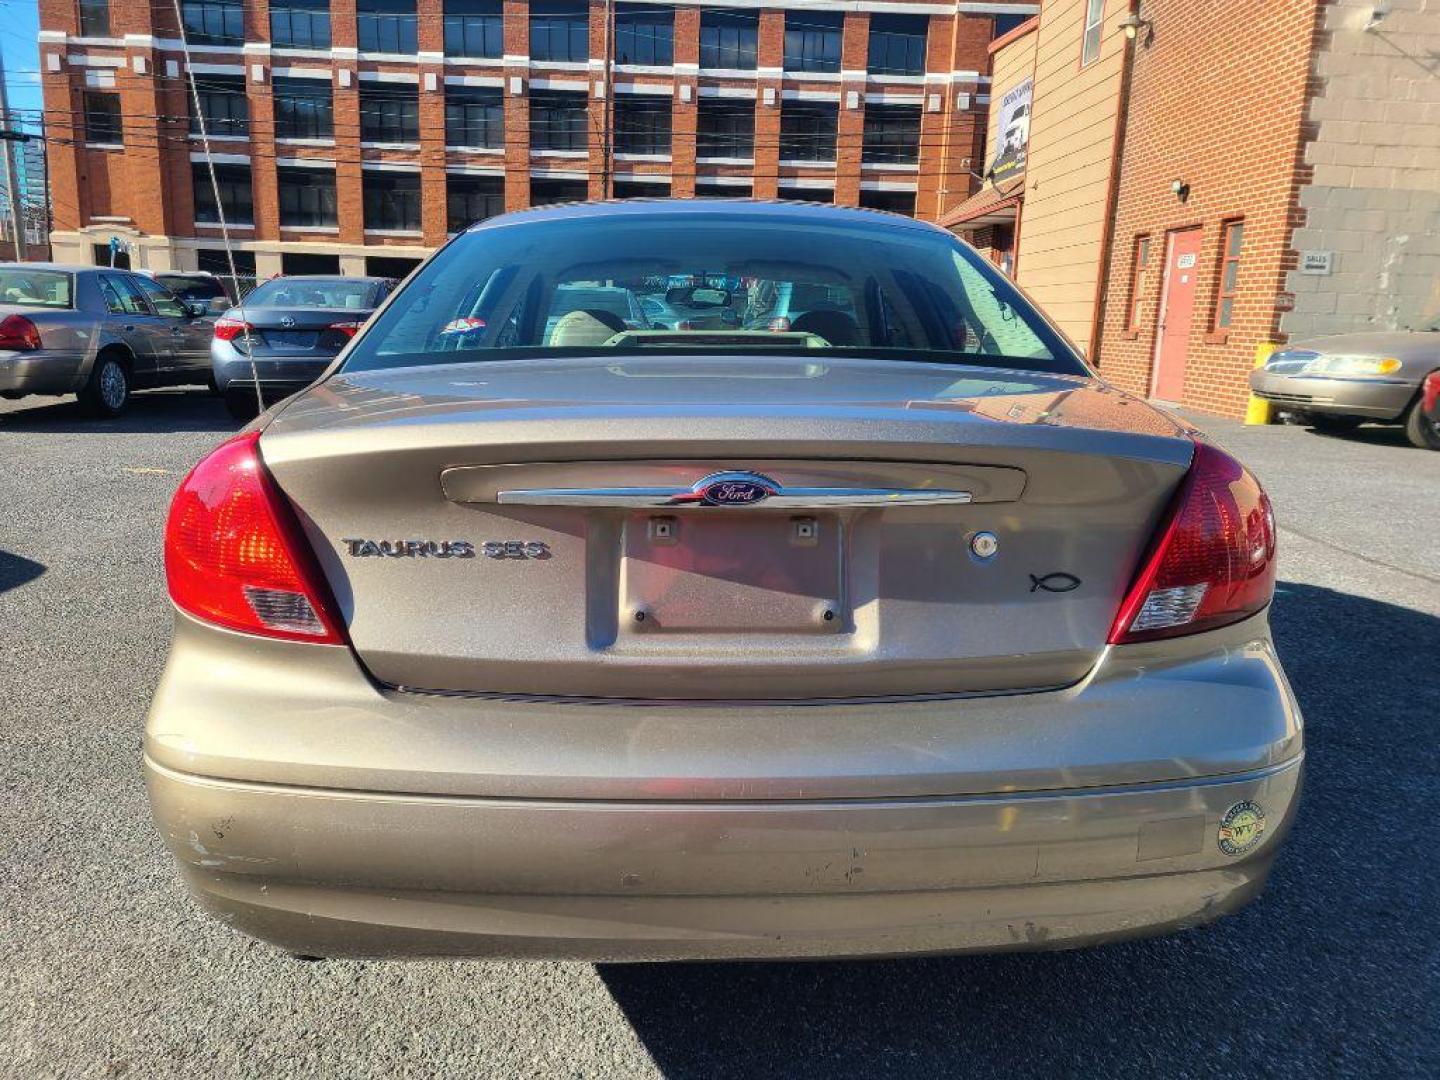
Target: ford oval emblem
735, 489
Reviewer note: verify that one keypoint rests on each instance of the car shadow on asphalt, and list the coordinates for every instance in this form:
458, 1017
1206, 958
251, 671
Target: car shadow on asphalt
149, 411
1330, 971
1369, 434
16, 570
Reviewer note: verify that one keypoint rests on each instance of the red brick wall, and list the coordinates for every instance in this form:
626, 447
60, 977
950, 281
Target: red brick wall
1217, 100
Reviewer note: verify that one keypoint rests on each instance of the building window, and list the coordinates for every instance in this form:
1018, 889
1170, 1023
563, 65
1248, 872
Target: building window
392, 200
94, 18
386, 26
1094, 26
1139, 270
807, 130
725, 128
300, 24
1005, 23
812, 40
559, 120
897, 202
102, 118
712, 190
806, 194
213, 22
1002, 243
305, 262
559, 31
474, 28
103, 257
1232, 238
642, 189
307, 198
474, 116
892, 134
223, 105
547, 192
216, 261
642, 124
389, 112
304, 108
234, 184
645, 34
390, 266
469, 199
897, 44
728, 39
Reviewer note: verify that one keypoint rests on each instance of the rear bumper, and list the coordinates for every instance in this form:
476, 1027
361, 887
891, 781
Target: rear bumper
283, 374
310, 808
43, 371
364, 874
1376, 399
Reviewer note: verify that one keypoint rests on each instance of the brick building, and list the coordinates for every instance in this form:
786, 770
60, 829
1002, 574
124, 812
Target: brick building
355, 135
1225, 177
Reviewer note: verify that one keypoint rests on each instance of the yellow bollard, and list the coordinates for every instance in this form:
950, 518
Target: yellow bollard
1258, 411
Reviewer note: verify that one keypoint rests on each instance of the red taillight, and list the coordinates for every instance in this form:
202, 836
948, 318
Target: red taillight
235, 555
347, 328
229, 329
1429, 392
1214, 560
18, 332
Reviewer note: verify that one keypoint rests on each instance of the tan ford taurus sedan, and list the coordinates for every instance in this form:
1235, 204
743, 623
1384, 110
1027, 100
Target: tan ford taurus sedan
881, 627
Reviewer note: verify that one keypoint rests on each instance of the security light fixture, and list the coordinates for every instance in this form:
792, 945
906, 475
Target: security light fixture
1181, 189
1132, 25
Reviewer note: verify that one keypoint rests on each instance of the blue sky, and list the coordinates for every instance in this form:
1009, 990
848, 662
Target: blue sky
19, 25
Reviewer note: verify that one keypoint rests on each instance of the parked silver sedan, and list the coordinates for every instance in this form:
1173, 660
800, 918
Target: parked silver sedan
285, 334
96, 332
1337, 383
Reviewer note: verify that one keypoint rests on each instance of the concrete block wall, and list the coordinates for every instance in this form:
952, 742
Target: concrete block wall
1374, 195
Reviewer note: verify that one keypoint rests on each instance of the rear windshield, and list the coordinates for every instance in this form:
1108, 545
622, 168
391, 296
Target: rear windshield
725, 283
191, 288
35, 288
309, 293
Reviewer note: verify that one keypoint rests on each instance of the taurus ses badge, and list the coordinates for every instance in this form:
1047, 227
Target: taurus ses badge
1057, 582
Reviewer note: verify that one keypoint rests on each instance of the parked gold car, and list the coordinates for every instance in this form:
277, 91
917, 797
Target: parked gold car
892, 630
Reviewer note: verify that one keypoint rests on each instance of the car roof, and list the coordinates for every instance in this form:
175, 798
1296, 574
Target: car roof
69, 268
327, 277
775, 210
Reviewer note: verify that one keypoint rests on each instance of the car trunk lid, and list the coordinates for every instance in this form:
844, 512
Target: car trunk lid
299, 331
540, 527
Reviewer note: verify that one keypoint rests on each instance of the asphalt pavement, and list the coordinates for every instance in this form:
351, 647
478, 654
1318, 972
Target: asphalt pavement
107, 969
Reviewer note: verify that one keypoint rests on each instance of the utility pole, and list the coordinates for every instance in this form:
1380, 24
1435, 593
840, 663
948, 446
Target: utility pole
16, 223
607, 139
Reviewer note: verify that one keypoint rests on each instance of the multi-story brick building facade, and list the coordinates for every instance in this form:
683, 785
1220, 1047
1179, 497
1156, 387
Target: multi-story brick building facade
357, 134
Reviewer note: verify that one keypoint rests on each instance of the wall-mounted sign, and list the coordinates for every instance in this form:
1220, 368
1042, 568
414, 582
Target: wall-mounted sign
1186, 261
1012, 134
1316, 262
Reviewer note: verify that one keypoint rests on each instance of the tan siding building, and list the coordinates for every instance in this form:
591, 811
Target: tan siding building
1058, 223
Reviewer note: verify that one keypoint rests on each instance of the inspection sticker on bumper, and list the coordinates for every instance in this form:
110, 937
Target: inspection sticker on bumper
1241, 828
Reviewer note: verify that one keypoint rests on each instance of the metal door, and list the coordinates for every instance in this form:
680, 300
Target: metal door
1177, 308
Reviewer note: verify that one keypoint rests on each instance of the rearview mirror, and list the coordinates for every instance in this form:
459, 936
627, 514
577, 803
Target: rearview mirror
218, 305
